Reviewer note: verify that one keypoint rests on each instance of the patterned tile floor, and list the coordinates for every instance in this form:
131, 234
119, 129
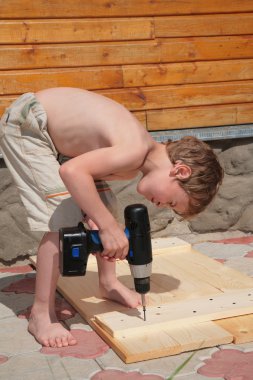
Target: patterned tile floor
21, 357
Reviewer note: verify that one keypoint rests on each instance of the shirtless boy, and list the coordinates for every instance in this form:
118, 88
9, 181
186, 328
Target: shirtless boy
104, 142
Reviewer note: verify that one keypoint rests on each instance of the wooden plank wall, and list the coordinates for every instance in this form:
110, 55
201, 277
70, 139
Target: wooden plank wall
176, 64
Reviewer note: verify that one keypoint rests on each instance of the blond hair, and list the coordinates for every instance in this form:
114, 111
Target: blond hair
206, 172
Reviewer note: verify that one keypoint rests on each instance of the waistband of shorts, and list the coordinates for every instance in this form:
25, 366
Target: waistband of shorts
21, 107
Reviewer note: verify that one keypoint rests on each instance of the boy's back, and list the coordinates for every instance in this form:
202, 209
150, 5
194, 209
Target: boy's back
80, 121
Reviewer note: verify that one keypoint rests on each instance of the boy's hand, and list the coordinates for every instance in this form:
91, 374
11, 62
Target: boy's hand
115, 243
90, 223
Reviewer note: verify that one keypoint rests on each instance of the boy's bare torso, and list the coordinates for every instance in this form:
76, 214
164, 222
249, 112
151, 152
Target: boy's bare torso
80, 121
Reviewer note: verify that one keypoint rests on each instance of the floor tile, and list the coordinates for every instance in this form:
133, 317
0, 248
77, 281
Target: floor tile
12, 304
222, 251
80, 369
162, 366
14, 337
33, 366
242, 264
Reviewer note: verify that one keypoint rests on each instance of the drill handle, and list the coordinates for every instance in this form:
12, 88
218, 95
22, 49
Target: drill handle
94, 241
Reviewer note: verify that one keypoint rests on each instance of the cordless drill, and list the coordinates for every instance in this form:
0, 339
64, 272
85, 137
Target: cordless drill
76, 243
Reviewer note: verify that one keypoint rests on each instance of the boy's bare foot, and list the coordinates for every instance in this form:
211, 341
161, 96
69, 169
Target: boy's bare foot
118, 292
49, 334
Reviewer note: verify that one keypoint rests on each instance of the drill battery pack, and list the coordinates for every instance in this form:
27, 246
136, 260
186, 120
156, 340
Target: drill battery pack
72, 249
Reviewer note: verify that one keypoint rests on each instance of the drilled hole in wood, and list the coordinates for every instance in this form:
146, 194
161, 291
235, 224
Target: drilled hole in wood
194, 311
210, 299
234, 303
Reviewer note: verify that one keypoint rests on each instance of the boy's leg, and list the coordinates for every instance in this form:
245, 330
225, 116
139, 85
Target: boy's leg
111, 287
32, 160
43, 323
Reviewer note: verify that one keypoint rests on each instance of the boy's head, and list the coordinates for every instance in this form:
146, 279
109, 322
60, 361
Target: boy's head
206, 173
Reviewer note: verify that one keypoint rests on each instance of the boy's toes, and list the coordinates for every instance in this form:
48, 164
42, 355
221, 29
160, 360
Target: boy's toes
64, 340
72, 341
52, 342
44, 342
58, 342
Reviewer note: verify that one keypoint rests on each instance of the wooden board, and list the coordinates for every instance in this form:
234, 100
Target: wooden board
188, 291
100, 8
199, 116
163, 50
103, 77
75, 30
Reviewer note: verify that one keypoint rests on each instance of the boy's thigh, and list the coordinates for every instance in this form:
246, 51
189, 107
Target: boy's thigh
60, 210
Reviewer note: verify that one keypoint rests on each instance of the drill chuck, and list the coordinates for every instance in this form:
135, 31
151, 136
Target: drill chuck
142, 285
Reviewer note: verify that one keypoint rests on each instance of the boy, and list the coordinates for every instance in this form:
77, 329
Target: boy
103, 141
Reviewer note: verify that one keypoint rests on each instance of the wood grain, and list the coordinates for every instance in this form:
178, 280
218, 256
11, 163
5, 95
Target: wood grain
202, 116
75, 30
101, 8
122, 53
204, 25
184, 333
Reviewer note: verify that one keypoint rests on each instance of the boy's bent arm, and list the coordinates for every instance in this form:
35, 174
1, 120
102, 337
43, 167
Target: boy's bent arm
79, 174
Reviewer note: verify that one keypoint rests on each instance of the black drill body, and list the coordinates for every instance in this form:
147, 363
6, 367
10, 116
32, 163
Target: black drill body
76, 244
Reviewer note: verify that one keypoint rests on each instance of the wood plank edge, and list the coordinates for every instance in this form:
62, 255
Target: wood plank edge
243, 335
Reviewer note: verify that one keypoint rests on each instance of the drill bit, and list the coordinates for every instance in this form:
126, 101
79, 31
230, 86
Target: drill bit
143, 301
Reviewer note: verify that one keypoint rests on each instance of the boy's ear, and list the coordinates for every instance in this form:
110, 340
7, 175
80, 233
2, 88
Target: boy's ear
181, 171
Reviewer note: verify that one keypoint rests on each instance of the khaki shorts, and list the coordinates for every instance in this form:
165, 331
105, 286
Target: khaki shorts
33, 161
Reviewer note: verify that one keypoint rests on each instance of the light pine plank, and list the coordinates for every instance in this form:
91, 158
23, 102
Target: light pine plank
169, 339
75, 30
199, 116
204, 25
174, 283
203, 309
240, 327
145, 347
204, 269
174, 244
132, 52
199, 335
98, 8
166, 342
187, 72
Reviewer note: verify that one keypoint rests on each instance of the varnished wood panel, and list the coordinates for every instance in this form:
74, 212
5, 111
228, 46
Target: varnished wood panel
149, 98
114, 53
204, 25
187, 72
202, 116
75, 30
90, 78
105, 77
183, 95
109, 8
